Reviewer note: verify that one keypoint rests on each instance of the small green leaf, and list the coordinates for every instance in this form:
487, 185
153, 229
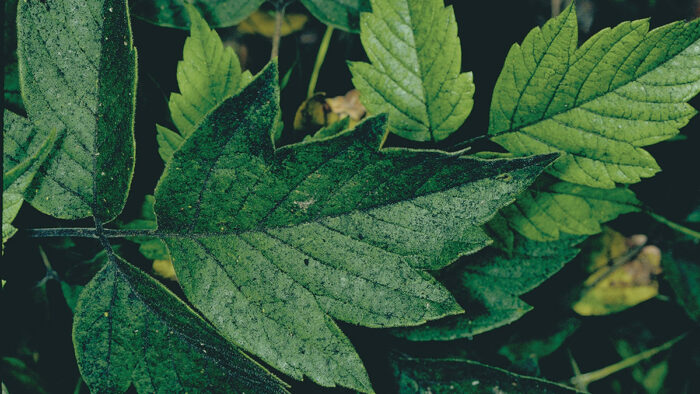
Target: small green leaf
342, 14
539, 340
684, 276
550, 208
489, 285
329, 131
78, 74
465, 376
172, 13
415, 72
168, 142
623, 89
150, 247
279, 241
130, 329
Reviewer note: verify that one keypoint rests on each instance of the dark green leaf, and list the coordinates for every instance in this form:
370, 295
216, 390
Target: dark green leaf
342, 14
172, 13
414, 74
623, 89
78, 74
464, 376
152, 248
489, 286
129, 329
279, 241
684, 276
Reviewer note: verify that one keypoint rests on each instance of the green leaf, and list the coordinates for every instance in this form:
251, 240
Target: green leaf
415, 72
342, 14
78, 73
279, 241
12, 96
168, 142
489, 285
550, 208
623, 89
130, 329
465, 376
24, 150
538, 340
150, 247
172, 13
329, 131
683, 273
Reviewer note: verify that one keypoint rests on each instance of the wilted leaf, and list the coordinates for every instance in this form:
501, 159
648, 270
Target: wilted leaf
279, 241
623, 89
78, 74
414, 74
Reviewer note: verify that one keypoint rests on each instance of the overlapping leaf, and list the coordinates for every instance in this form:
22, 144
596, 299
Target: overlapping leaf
465, 376
207, 74
489, 285
270, 245
24, 150
414, 74
172, 13
78, 73
343, 14
623, 89
129, 329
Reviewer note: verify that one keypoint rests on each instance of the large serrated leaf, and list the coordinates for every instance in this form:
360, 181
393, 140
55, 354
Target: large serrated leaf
78, 74
415, 72
129, 329
207, 74
489, 285
172, 13
623, 89
24, 150
466, 376
270, 244
343, 14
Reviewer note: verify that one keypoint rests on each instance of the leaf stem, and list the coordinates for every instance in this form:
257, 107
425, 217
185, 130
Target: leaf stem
582, 381
277, 37
320, 58
673, 225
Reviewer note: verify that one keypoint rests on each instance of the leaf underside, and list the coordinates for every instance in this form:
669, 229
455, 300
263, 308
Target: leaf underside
342, 14
129, 329
280, 241
78, 74
489, 285
414, 74
623, 89
172, 13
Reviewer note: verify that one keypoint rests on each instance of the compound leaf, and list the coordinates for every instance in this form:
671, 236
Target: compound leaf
270, 244
489, 285
130, 329
342, 14
465, 376
78, 74
414, 74
623, 89
172, 13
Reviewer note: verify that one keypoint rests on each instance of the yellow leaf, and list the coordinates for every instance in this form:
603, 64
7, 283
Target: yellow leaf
164, 269
263, 23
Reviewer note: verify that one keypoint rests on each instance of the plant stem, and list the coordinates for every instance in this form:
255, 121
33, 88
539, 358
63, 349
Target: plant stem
320, 58
277, 37
582, 381
674, 225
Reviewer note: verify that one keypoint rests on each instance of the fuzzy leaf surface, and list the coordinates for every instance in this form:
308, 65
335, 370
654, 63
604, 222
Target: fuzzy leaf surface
130, 329
342, 14
551, 207
272, 244
465, 376
78, 74
414, 75
623, 89
489, 285
172, 13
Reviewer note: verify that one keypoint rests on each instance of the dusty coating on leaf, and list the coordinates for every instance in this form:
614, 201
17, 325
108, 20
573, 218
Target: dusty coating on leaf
281, 241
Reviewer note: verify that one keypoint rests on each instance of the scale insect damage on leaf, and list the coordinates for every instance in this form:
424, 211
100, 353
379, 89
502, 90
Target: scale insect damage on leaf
278, 253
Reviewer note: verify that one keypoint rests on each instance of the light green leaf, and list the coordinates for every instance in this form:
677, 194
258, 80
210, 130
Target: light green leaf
329, 131
24, 150
550, 208
415, 72
168, 142
465, 376
78, 73
623, 89
172, 13
489, 285
342, 14
130, 329
279, 241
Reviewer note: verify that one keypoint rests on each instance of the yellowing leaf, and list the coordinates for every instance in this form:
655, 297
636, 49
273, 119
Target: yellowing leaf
263, 23
164, 269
